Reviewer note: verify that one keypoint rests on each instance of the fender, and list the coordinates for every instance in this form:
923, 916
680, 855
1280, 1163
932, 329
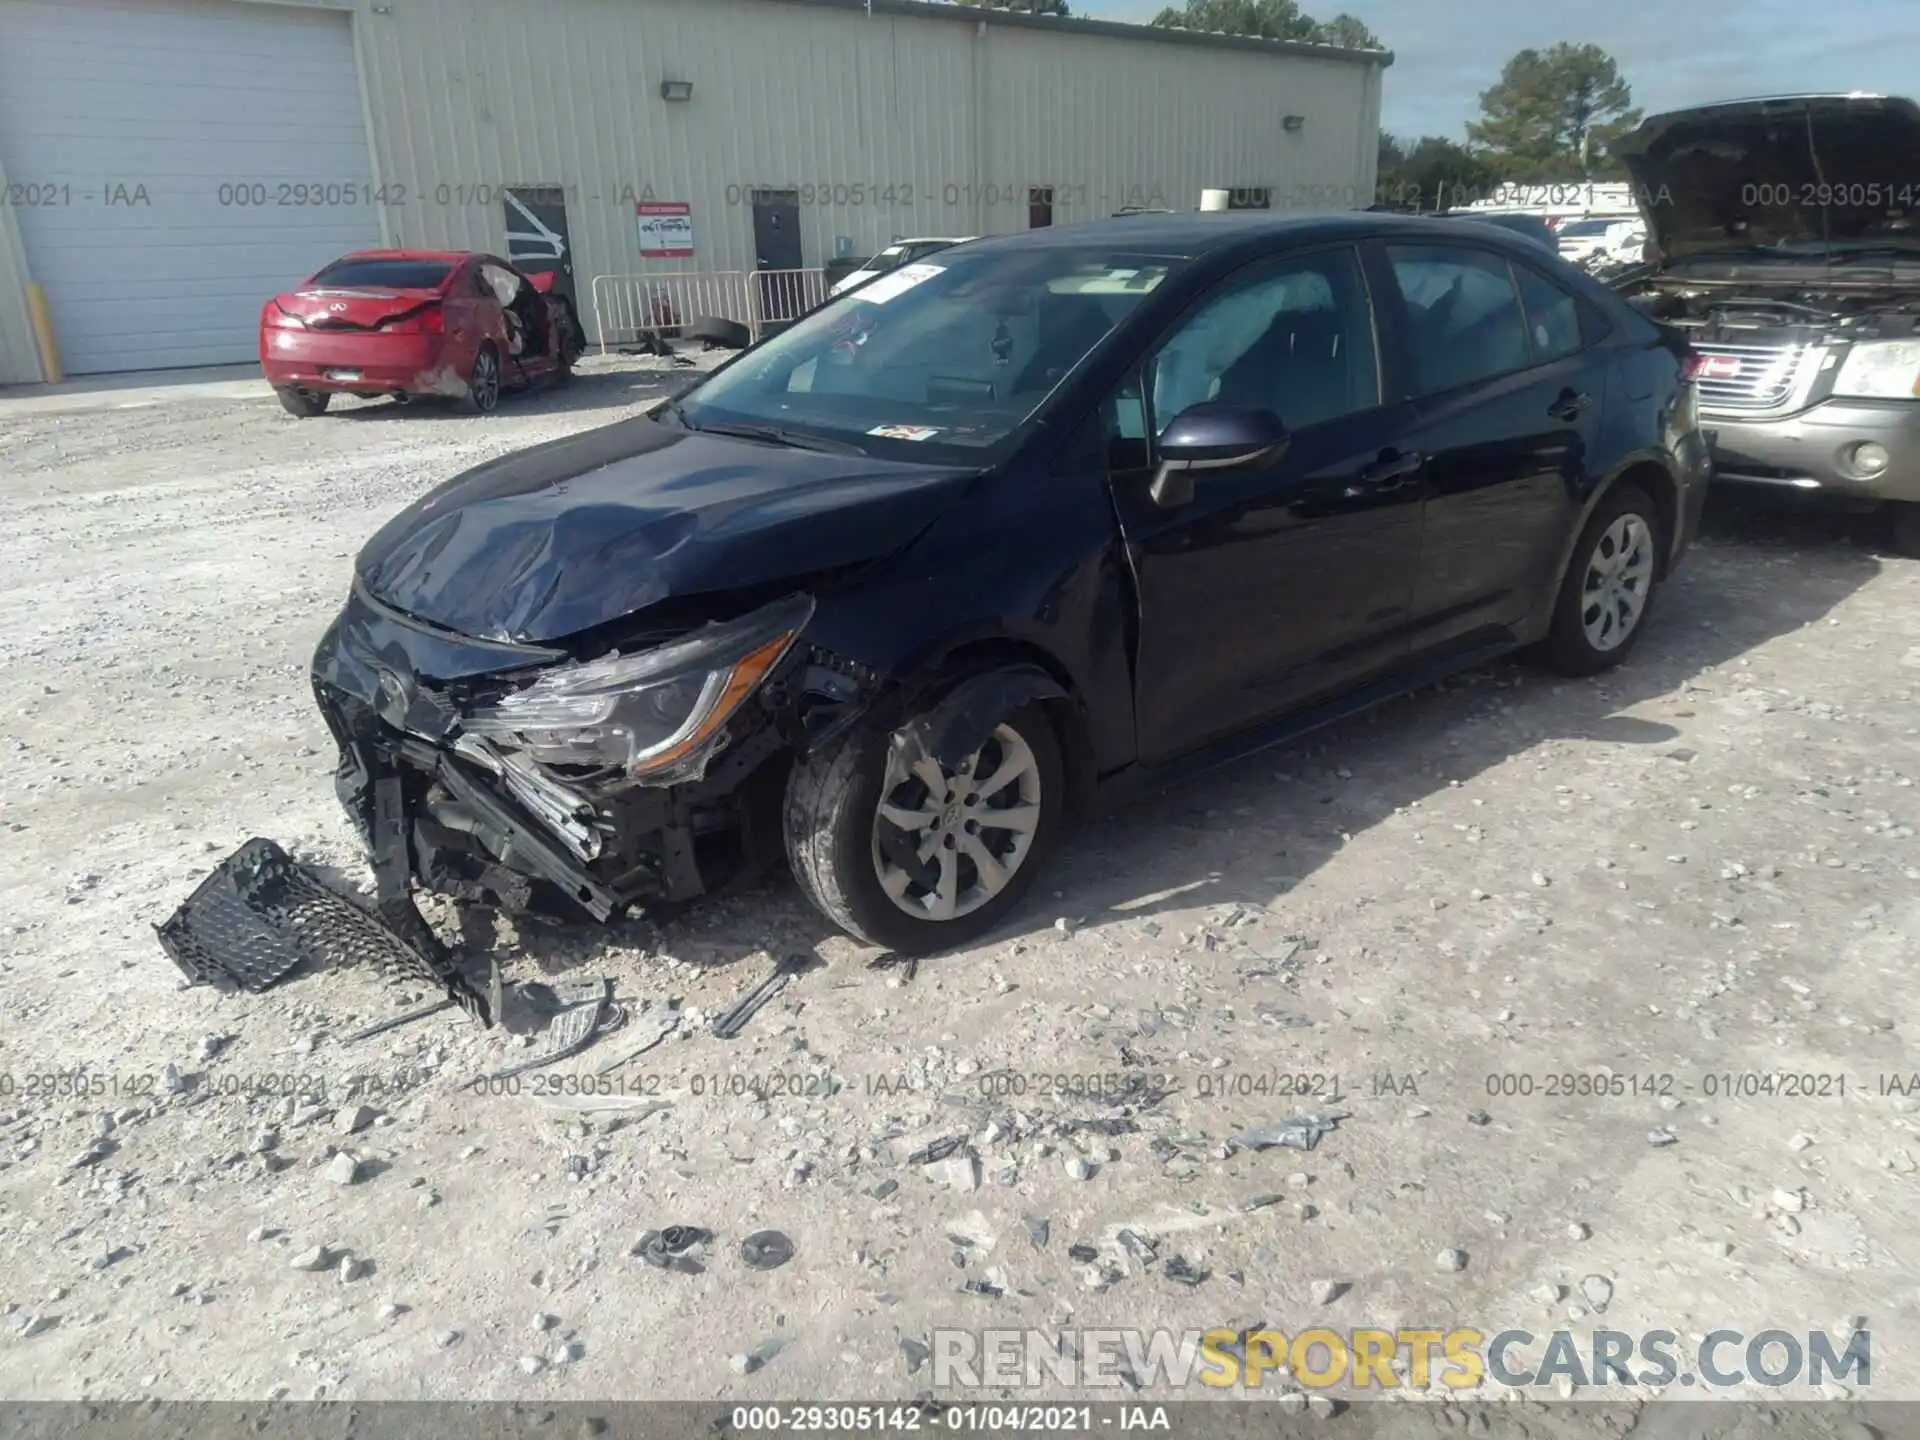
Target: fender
965, 717
1674, 521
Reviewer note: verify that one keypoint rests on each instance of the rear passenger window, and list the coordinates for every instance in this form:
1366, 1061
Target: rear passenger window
1464, 317
1553, 316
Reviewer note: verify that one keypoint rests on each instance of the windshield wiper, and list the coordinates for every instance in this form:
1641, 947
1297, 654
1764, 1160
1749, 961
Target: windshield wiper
777, 435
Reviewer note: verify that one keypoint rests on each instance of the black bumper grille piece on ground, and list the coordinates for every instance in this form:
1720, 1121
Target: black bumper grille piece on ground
261, 915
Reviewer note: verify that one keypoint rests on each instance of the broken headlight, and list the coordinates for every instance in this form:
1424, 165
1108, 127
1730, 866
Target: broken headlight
657, 715
1881, 370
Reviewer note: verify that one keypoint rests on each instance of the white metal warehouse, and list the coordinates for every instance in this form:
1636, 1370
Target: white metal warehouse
168, 164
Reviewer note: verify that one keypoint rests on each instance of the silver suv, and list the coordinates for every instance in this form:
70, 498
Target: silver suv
1784, 240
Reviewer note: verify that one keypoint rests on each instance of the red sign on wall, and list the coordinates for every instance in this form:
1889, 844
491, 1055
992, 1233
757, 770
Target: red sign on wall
666, 228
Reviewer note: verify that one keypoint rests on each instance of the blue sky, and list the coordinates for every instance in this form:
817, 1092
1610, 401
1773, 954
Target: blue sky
1673, 52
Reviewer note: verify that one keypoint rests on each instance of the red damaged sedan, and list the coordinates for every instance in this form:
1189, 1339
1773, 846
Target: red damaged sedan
415, 323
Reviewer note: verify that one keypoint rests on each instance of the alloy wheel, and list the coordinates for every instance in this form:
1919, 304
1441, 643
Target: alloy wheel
1619, 579
486, 381
946, 842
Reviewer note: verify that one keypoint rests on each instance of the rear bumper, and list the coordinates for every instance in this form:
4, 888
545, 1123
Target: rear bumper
1813, 450
359, 363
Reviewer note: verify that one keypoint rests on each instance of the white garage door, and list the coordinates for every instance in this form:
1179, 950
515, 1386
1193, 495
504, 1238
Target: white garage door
173, 163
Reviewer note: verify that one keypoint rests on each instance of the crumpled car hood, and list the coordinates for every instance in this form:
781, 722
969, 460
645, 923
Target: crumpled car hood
547, 542
1796, 169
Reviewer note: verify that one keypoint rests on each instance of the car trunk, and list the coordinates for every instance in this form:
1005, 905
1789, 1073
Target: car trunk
356, 308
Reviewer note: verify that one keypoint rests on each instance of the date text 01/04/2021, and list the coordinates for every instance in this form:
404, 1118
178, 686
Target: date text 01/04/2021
929, 1417
1711, 1085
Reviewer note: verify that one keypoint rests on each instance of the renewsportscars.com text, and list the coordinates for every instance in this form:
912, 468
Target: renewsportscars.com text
1363, 1359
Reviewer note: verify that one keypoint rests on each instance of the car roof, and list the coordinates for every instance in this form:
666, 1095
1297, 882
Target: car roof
450, 257
1196, 234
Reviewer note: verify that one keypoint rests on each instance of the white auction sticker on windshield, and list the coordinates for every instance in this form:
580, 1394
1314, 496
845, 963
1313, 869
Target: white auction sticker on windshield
905, 432
896, 282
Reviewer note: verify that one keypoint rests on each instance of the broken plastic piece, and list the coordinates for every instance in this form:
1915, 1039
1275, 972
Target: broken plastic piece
937, 1151
1301, 1132
655, 1025
405, 1017
1082, 1254
983, 1289
734, 1020
582, 1011
667, 1249
766, 1250
261, 915
1182, 1273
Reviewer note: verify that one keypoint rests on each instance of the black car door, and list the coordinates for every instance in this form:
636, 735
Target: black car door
1271, 586
1508, 404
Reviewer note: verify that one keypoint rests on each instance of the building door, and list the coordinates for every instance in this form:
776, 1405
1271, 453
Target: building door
179, 162
776, 253
537, 239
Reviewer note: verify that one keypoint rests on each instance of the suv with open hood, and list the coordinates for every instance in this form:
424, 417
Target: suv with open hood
1785, 242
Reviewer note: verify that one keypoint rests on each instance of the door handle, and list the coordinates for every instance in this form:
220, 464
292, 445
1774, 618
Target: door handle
1569, 405
1392, 470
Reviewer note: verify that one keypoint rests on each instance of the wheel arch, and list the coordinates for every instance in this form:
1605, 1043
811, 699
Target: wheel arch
1651, 474
953, 688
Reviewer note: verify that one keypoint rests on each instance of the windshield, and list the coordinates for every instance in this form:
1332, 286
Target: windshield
387, 274
941, 360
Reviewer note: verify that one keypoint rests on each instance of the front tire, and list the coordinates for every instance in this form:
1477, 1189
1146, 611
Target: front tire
1609, 586
303, 403
925, 859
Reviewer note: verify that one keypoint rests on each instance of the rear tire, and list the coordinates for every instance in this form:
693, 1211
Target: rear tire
1609, 585
304, 403
1903, 528
834, 833
483, 383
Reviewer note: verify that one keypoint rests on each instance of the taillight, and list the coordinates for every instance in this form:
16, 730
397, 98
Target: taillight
280, 319
421, 322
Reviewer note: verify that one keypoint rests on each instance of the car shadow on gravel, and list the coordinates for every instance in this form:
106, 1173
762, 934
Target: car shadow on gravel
1253, 830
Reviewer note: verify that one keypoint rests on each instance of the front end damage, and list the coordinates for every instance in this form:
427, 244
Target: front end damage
534, 779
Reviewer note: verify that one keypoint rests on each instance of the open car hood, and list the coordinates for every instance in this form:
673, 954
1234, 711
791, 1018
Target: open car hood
548, 542
1796, 170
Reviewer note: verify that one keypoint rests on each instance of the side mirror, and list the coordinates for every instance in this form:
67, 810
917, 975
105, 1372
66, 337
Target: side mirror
1213, 436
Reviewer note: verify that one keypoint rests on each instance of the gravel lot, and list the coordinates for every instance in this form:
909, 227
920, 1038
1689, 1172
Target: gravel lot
1701, 867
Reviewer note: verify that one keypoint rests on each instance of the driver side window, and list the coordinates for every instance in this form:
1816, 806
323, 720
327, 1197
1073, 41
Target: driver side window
1293, 336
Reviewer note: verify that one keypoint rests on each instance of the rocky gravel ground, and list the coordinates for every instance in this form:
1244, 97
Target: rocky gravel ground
1600, 988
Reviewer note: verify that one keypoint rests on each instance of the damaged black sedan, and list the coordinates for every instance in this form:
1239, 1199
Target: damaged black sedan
894, 593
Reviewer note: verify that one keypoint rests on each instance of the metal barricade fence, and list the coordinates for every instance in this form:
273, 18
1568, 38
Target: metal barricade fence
765, 301
780, 297
625, 305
